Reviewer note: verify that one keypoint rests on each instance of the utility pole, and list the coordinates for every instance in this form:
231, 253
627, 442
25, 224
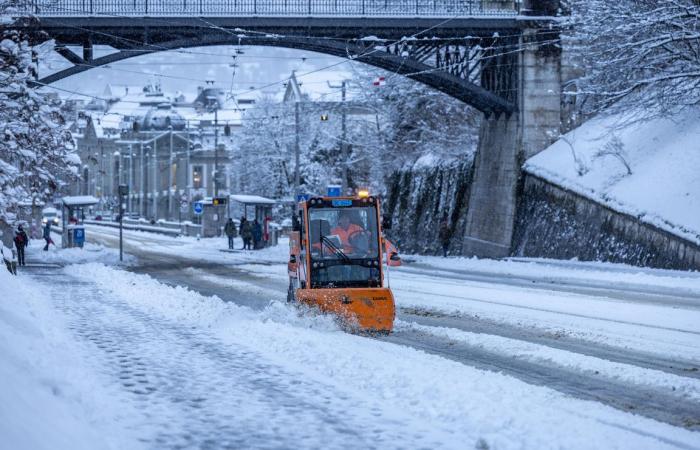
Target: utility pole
188, 184
155, 179
343, 143
123, 191
297, 177
142, 188
131, 177
170, 177
216, 150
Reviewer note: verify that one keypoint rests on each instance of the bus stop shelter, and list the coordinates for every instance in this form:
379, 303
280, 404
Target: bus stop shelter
73, 212
255, 207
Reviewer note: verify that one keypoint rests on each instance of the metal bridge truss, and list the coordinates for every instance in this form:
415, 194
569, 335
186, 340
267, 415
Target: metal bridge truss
473, 59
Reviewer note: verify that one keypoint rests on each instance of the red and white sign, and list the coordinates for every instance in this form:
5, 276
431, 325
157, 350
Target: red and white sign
379, 81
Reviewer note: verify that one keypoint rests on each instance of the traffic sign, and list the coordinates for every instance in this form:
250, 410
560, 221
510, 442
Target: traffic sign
198, 208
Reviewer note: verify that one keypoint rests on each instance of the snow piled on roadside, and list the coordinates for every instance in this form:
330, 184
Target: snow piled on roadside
48, 399
663, 188
90, 252
457, 405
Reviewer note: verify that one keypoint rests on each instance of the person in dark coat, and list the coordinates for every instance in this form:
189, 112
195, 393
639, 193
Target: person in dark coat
21, 242
230, 230
47, 235
246, 231
444, 235
257, 234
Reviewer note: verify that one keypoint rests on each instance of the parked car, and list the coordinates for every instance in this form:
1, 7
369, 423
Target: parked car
50, 215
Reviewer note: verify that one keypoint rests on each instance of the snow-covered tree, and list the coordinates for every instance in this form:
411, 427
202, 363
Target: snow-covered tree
417, 121
387, 127
640, 55
36, 150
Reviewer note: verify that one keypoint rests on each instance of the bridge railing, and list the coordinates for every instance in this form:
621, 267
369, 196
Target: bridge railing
271, 8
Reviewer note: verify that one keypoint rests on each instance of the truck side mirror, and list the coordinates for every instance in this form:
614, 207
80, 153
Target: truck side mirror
293, 259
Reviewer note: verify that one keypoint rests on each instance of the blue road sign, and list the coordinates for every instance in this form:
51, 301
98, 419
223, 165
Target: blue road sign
334, 190
198, 207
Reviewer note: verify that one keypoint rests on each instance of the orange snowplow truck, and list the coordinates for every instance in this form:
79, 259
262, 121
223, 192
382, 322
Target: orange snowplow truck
336, 261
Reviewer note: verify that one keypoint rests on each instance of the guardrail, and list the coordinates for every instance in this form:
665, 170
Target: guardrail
186, 229
271, 8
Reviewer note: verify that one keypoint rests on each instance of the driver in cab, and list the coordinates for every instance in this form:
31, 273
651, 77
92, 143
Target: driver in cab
346, 230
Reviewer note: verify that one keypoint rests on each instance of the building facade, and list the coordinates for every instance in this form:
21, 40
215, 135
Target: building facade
166, 149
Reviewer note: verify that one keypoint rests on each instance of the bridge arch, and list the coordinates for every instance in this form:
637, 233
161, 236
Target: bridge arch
441, 80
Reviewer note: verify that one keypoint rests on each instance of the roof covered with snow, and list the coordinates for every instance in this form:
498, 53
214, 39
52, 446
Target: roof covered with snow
252, 199
646, 169
80, 200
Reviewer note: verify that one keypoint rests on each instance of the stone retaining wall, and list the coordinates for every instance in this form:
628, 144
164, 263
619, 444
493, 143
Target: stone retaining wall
417, 199
553, 222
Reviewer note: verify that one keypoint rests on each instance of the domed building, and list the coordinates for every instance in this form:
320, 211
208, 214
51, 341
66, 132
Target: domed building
161, 118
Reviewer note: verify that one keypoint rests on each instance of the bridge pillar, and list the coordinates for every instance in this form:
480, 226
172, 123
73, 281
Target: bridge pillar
505, 143
491, 210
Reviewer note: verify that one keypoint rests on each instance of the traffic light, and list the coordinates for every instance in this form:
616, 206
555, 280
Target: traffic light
218, 201
324, 117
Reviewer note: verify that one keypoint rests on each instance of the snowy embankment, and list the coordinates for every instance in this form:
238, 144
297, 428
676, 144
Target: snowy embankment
647, 169
49, 397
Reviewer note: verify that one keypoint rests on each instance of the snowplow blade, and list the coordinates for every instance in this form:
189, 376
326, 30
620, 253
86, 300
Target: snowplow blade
362, 309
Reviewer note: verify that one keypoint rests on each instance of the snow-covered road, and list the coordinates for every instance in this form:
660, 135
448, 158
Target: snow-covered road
249, 371
610, 333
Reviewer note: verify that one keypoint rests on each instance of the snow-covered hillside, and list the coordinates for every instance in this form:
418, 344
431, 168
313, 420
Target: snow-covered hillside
647, 169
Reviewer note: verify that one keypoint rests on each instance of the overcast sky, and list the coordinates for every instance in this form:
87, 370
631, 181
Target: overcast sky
183, 70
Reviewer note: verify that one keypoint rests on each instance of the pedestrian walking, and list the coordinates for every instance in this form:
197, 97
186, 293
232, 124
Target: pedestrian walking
21, 242
47, 235
444, 235
230, 230
246, 232
257, 234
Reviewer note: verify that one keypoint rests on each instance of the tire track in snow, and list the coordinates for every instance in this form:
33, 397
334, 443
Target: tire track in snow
546, 310
644, 401
464, 322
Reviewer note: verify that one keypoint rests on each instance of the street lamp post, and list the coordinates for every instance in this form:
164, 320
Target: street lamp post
216, 151
170, 177
131, 179
142, 189
155, 179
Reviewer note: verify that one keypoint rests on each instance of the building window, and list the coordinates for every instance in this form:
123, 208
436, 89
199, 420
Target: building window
197, 177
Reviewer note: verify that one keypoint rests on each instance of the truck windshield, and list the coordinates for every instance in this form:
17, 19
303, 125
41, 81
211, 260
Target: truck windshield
343, 233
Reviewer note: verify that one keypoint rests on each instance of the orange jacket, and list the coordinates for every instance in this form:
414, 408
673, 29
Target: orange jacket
345, 235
